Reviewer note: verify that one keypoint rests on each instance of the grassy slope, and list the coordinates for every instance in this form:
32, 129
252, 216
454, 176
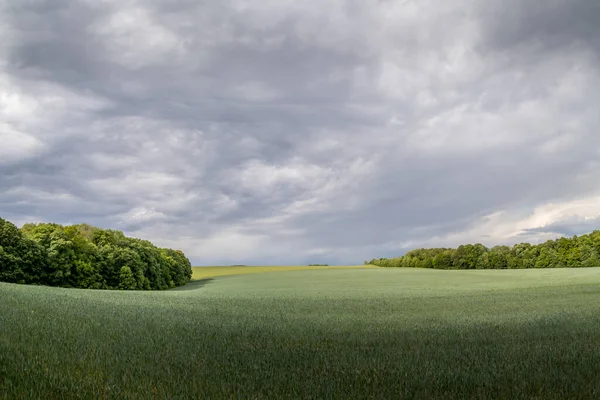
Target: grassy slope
357, 333
211, 272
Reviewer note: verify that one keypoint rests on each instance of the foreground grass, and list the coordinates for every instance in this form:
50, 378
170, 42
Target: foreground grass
211, 272
380, 333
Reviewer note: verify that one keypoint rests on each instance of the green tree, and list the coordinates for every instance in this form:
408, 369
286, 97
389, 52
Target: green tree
126, 279
498, 257
21, 259
86, 257
589, 256
483, 261
443, 260
575, 252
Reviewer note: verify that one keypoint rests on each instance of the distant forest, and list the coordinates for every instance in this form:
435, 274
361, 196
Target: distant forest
83, 256
575, 252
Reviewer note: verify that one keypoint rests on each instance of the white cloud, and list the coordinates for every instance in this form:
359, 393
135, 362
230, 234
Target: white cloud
547, 122
135, 39
138, 184
263, 178
16, 146
40, 196
140, 214
227, 245
514, 226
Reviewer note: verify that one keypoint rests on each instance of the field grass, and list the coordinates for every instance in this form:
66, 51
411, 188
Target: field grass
211, 272
326, 333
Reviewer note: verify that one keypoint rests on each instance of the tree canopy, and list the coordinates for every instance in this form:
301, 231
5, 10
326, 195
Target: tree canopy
83, 256
575, 252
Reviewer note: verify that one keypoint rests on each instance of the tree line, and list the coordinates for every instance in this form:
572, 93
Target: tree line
83, 256
575, 252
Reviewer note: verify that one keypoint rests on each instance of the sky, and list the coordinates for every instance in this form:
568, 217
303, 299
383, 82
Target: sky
292, 132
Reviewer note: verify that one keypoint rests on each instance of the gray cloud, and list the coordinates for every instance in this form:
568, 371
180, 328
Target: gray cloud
548, 25
569, 226
286, 132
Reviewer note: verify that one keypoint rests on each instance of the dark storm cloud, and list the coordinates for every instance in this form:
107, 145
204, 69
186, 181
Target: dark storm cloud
288, 132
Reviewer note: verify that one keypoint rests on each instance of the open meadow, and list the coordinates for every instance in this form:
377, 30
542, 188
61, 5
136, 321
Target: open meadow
319, 333
211, 272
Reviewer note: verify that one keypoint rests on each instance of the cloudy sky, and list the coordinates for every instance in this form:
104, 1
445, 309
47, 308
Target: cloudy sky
287, 132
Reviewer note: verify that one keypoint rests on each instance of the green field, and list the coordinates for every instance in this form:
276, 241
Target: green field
322, 333
211, 272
